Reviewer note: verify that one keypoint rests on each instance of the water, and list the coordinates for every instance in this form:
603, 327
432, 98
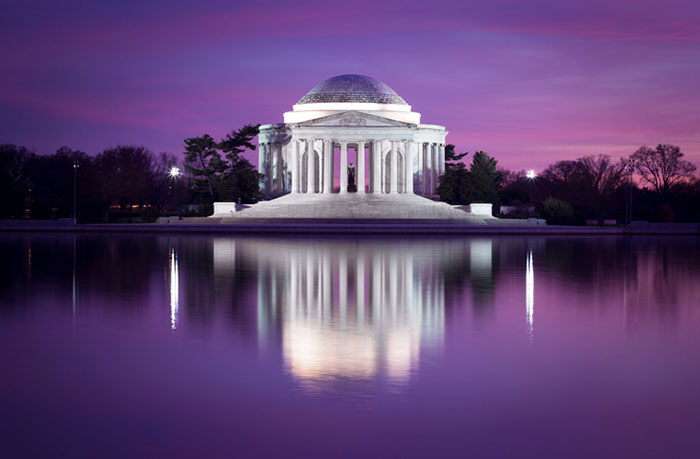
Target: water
172, 346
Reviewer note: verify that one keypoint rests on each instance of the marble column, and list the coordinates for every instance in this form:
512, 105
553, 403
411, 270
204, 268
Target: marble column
441, 159
327, 166
294, 164
408, 169
429, 169
268, 169
261, 164
377, 167
343, 167
280, 168
435, 168
394, 188
273, 168
319, 169
302, 174
361, 167
261, 157
423, 169
310, 166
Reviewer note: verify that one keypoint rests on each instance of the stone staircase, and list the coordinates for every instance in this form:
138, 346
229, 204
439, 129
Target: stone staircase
350, 206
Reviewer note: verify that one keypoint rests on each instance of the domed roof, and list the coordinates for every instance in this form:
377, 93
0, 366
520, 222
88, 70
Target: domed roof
352, 88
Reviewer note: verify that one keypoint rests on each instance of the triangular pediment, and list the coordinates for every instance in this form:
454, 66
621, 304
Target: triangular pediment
354, 119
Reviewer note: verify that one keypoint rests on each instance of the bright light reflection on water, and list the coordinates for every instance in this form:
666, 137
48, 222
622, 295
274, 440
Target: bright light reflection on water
417, 347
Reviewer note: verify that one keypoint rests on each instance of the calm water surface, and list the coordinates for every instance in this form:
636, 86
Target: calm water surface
170, 346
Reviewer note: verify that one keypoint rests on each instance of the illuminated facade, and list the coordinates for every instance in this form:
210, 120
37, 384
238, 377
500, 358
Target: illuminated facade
394, 153
350, 148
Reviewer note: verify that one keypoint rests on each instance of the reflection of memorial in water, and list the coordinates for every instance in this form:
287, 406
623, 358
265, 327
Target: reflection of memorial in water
345, 310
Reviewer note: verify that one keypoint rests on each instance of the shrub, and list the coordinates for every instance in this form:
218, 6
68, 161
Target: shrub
558, 212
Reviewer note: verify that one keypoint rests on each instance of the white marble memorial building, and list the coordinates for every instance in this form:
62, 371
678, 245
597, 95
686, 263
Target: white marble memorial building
362, 124
350, 148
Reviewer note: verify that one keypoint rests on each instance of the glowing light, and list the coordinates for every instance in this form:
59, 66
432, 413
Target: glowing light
530, 294
531, 174
174, 289
174, 172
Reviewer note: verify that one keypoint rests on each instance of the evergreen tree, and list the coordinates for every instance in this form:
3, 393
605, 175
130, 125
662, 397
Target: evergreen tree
455, 184
204, 162
240, 182
238, 141
485, 178
451, 157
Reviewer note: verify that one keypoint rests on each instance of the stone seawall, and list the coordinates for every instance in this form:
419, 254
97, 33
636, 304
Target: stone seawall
398, 227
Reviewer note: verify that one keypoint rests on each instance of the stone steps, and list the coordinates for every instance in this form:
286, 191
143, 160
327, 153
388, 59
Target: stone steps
353, 206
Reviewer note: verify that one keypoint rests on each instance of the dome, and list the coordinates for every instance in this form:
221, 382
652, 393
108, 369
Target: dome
352, 89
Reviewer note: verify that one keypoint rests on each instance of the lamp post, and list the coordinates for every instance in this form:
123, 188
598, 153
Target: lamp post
174, 174
75, 191
530, 174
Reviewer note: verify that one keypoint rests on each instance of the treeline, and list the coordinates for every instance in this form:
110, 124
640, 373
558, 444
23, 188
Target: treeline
123, 178
653, 184
127, 182
131, 182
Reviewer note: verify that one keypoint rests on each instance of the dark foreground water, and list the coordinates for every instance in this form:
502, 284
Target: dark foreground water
169, 346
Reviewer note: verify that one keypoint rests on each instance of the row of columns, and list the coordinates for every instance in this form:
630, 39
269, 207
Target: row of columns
273, 159
431, 165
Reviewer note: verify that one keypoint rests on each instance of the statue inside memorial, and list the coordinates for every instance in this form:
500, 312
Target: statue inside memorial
352, 186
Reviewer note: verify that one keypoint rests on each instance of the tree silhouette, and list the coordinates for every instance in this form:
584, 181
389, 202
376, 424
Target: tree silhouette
204, 162
452, 158
662, 167
15, 179
126, 174
602, 178
238, 141
485, 178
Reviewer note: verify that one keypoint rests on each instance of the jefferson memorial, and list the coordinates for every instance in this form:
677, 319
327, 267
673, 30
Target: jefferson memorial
350, 148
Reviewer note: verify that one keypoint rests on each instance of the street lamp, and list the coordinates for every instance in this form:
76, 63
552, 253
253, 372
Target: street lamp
174, 174
530, 174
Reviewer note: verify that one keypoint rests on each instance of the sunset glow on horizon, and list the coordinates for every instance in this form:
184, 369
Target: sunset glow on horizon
530, 83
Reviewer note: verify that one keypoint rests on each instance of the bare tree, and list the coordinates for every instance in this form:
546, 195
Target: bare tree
662, 167
603, 178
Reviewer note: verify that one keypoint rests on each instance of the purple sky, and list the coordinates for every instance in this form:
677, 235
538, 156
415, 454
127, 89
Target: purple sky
530, 83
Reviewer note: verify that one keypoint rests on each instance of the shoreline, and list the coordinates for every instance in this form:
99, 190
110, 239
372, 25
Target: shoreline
347, 227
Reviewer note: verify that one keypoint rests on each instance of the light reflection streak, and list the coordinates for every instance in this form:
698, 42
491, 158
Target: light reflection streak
174, 289
530, 295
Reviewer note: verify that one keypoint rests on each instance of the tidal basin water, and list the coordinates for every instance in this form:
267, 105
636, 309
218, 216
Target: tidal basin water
174, 346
